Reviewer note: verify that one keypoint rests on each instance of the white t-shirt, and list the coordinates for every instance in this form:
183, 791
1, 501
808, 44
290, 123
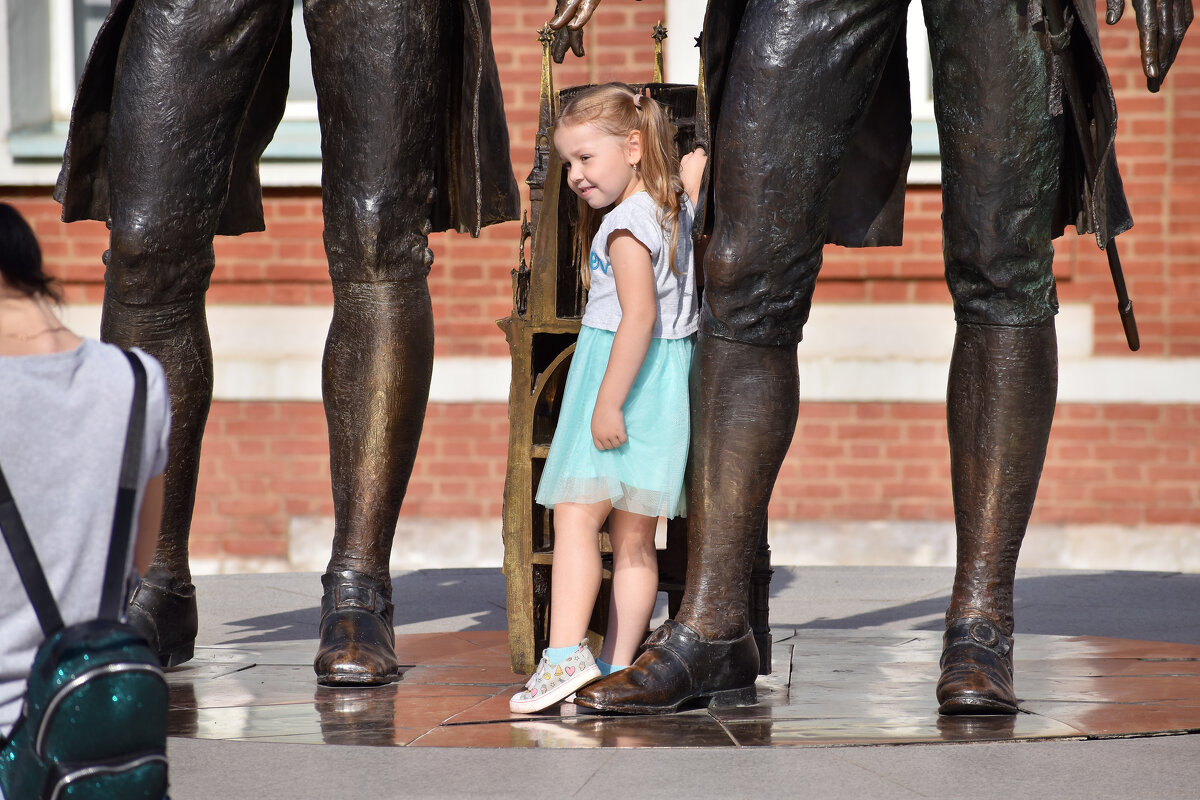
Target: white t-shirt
676, 289
63, 418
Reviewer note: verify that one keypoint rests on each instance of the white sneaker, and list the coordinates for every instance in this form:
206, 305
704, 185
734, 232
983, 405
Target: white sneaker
553, 683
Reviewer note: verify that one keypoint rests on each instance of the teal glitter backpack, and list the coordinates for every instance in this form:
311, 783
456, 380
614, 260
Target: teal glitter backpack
93, 725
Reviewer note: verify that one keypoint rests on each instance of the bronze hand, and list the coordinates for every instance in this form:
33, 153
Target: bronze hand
1161, 25
569, 18
573, 13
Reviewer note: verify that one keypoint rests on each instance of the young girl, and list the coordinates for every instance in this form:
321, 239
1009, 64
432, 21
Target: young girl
622, 438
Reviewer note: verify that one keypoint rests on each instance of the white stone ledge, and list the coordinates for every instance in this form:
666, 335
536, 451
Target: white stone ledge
852, 353
1136, 379
477, 543
420, 543
1160, 548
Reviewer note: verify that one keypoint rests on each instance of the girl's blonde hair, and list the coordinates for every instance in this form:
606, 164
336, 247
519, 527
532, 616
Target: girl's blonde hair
616, 109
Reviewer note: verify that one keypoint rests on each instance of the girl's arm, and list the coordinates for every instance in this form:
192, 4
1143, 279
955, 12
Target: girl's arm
636, 292
691, 172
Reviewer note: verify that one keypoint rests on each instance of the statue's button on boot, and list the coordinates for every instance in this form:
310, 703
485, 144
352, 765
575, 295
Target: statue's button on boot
977, 669
358, 642
163, 610
679, 665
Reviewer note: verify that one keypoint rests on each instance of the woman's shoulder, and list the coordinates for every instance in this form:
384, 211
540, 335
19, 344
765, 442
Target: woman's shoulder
115, 362
110, 361
105, 351
156, 378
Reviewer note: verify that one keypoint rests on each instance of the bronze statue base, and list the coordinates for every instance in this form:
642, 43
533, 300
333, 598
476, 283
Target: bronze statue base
830, 687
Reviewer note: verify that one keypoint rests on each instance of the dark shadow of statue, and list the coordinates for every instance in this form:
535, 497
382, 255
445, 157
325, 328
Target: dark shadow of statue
810, 120
177, 102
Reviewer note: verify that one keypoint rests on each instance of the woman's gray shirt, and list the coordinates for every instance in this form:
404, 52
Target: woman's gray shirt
63, 418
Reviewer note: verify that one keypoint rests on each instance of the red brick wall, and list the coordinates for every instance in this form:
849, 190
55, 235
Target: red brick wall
1113, 464
264, 463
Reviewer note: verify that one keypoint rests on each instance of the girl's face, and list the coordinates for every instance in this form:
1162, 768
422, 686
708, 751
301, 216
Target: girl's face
600, 165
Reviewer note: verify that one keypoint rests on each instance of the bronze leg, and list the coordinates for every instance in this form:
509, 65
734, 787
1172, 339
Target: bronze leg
1000, 404
799, 72
176, 333
381, 74
377, 367
742, 426
182, 93
163, 607
1001, 151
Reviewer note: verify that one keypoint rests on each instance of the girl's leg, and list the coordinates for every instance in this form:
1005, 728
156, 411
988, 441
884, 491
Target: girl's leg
574, 584
634, 585
575, 573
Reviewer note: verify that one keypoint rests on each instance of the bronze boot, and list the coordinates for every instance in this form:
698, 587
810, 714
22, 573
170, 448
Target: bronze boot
377, 366
163, 606
678, 666
358, 642
977, 669
163, 610
1000, 403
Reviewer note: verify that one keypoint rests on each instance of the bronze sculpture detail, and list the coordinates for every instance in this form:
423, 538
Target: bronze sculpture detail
177, 102
809, 108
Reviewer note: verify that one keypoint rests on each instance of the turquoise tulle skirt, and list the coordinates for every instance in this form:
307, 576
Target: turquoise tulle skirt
644, 475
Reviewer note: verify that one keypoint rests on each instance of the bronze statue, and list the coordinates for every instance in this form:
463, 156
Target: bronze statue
809, 102
177, 102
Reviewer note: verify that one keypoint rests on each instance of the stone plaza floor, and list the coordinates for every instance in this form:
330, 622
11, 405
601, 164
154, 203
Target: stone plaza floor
1107, 672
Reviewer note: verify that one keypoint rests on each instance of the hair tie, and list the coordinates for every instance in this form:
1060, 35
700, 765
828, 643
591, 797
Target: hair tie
637, 101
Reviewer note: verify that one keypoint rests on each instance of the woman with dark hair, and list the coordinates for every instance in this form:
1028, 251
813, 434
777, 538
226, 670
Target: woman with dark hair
21, 257
64, 410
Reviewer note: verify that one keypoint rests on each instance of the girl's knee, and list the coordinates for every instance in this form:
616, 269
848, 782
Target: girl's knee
633, 545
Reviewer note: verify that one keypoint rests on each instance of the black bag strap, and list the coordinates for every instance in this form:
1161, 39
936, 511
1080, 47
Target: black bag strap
112, 597
27, 563
25, 557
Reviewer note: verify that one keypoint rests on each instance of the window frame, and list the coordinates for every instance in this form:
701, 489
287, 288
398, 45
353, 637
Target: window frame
38, 61
38, 46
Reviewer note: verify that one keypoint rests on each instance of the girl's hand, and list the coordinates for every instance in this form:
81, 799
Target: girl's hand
691, 172
608, 427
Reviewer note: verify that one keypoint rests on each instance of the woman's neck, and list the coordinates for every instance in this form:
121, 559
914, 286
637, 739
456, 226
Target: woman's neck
29, 326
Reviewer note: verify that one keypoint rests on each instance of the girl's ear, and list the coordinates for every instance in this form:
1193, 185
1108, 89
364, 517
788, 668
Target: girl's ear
633, 147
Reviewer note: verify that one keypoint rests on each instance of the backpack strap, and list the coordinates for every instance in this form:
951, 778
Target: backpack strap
112, 597
25, 557
28, 567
